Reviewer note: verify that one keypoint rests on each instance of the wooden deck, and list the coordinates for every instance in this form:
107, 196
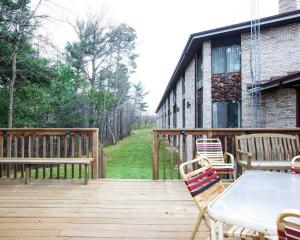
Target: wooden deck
105, 209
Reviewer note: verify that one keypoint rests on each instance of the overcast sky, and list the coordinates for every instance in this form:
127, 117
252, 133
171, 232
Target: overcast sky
162, 26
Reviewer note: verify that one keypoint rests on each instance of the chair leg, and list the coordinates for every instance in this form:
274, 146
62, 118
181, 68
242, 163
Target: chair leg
197, 224
206, 219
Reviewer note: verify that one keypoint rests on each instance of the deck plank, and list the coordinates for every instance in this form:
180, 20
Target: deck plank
105, 209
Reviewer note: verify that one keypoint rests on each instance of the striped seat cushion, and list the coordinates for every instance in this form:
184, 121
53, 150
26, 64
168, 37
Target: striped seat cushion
202, 181
289, 234
223, 167
209, 147
295, 170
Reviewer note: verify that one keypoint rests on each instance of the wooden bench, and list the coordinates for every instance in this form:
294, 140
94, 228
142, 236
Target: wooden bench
266, 151
35, 161
50, 153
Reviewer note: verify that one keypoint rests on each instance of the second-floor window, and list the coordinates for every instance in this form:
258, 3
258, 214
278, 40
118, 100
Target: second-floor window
174, 96
183, 113
183, 83
199, 70
226, 59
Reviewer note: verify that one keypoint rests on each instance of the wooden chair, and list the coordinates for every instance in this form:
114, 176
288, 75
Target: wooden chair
295, 165
204, 185
211, 149
287, 228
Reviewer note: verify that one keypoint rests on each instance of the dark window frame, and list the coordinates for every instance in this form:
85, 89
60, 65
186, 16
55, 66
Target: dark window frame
225, 47
183, 113
199, 77
200, 115
227, 113
183, 83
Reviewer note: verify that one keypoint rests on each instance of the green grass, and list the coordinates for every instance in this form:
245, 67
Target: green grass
131, 158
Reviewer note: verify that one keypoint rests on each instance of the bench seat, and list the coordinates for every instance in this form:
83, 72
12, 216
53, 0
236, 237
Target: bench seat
35, 161
267, 165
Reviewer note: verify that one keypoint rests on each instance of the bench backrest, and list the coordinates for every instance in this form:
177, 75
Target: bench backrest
48, 143
272, 147
210, 149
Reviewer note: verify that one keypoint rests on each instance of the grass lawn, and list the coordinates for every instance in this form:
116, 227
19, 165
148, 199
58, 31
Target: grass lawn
131, 158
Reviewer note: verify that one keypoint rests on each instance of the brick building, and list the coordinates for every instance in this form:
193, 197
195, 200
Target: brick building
211, 85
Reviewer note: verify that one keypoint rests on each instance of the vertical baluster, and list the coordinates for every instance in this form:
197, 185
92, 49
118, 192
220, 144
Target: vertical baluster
22, 154
66, 154
155, 163
44, 155
179, 155
73, 153
194, 151
87, 150
15, 155
164, 159
51, 156
29, 152
58, 155
8, 143
37, 149
225, 148
1, 154
80, 152
171, 157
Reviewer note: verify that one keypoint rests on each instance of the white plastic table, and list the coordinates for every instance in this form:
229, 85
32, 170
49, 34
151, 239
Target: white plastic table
254, 201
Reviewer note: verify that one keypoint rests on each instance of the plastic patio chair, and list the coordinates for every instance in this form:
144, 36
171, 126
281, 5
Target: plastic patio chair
211, 149
288, 225
295, 165
204, 185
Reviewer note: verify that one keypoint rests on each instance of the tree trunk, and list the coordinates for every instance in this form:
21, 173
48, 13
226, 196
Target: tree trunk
121, 124
11, 88
115, 131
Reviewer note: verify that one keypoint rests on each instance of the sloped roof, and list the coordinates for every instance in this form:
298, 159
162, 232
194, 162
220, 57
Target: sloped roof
291, 79
195, 40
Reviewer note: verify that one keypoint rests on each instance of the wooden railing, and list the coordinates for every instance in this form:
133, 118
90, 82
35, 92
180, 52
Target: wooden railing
51, 143
174, 146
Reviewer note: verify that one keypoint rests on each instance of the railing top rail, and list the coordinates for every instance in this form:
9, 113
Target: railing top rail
225, 131
48, 131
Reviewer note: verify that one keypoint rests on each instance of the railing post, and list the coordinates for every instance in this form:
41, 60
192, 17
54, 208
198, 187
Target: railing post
102, 161
95, 154
164, 159
155, 155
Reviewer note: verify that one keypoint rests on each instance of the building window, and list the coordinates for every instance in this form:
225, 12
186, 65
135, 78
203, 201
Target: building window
199, 70
200, 115
174, 116
169, 112
174, 96
183, 113
183, 83
226, 59
226, 114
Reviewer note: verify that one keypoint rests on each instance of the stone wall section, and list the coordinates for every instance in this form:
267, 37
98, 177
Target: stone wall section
226, 87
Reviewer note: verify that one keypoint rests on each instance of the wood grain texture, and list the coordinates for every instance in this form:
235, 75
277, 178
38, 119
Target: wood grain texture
104, 209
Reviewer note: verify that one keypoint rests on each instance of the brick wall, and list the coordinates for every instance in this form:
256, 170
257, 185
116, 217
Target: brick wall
190, 94
288, 5
279, 108
280, 51
179, 102
207, 105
